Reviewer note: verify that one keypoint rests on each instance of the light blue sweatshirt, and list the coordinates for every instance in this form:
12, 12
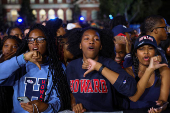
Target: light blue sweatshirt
31, 83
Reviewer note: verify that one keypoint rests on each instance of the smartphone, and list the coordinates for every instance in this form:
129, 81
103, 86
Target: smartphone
120, 39
161, 107
23, 99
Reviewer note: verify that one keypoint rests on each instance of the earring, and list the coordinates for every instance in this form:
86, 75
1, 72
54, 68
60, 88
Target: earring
136, 57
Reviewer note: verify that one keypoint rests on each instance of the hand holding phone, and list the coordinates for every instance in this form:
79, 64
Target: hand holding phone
23, 99
161, 107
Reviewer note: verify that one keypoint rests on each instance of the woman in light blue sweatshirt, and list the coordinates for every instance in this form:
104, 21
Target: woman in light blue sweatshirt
37, 74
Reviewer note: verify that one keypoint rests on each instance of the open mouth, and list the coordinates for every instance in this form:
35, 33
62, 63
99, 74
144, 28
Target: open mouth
35, 49
146, 58
117, 59
91, 48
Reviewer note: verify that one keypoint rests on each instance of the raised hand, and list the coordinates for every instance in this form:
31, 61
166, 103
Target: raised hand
159, 109
34, 57
159, 102
155, 62
90, 65
154, 110
128, 45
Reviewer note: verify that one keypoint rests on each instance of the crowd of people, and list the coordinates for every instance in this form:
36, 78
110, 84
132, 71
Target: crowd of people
79, 69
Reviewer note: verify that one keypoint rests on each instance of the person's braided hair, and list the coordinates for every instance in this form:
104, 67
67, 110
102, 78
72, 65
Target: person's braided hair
55, 68
135, 62
53, 25
106, 37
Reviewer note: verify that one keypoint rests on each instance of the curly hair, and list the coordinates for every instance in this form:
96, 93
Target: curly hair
55, 67
106, 37
149, 23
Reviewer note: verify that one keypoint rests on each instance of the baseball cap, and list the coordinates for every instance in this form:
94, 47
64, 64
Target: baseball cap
121, 29
145, 40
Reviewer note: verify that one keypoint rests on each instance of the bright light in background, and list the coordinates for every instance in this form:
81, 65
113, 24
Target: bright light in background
52, 17
19, 20
111, 17
81, 18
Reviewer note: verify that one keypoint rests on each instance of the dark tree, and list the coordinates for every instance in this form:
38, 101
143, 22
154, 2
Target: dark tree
2, 20
145, 8
26, 13
133, 10
76, 13
164, 10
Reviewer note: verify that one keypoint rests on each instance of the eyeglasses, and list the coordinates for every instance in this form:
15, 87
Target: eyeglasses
31, 40
166, 28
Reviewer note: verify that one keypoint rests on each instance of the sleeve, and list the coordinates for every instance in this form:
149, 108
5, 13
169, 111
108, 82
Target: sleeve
8, 67
125, 84
54, 103
128, 61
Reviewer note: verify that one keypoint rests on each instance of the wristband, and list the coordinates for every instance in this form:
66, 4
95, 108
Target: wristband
24, 57
101, 68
